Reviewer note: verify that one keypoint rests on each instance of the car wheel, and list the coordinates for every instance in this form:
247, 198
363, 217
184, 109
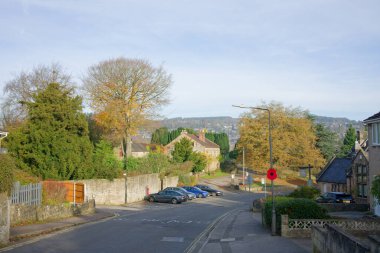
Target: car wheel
174, 201
151, 199
199, 195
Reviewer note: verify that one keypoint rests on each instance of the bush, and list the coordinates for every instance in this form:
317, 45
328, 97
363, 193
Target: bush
106, 164
305, 192
295, 208
7, 167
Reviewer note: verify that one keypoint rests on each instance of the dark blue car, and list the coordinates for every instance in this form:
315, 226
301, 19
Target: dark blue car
198, 192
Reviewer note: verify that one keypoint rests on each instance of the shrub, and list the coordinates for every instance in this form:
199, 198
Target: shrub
7, 167
295, 208
106, 164
305, 192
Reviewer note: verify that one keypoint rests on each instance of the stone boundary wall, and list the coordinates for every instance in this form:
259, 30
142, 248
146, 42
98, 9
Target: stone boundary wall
4, 218
104, 191
334, 239
170, 182
140, 186
26, 213
120, 191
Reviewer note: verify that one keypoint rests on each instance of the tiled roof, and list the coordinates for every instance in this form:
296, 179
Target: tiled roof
375, 116
143, 147
335, 172
207, 143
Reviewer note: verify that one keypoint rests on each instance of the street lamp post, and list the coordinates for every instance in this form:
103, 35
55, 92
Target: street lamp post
270, 161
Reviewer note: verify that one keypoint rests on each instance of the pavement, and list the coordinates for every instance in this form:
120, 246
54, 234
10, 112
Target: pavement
241, 231
24, 232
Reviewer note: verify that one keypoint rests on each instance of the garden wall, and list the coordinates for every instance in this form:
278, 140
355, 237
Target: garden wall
104, 191
140, 186
4, 218
27, 213
118, 191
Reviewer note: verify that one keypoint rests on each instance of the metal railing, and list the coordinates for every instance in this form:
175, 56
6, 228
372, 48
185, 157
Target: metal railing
30, 194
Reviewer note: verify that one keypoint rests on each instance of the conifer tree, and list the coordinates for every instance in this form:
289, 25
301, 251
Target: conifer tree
54, 141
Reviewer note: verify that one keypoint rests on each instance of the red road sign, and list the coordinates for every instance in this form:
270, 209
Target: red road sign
271, 174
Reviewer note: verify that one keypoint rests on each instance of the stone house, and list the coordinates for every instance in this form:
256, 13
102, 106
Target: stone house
138, 150
200, 144
357, 177
373, 126
333, 177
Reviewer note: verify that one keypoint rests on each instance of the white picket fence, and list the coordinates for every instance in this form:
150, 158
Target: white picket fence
30, 194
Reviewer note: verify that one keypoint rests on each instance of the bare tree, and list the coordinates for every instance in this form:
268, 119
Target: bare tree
124, 93
24, 85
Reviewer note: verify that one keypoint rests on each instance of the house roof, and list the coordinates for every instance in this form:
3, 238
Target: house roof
335, 171
143, 147
373, 118
207, 143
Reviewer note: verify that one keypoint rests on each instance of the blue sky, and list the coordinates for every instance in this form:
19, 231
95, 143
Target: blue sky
321, 55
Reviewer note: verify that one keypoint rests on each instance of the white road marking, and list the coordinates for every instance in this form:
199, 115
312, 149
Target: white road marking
172, 239
227, 240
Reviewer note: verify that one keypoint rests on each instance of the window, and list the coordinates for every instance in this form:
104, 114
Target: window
361, 177
376, 134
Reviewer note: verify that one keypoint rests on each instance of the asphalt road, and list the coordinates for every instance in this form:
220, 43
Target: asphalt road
144, 227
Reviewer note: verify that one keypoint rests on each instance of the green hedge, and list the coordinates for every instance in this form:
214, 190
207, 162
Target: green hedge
305, 192
295, 208
7, 166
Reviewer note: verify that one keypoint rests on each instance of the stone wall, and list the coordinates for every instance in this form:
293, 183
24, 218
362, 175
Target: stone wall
104, 191
139, 186
4, 218
334, 239
169, 182
107, 192
27, 213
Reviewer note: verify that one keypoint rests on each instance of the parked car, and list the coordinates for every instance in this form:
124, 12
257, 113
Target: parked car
210, 190
198, 192
188, 194
173, 197
335, 197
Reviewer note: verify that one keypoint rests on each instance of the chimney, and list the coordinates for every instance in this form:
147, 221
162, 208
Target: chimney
202, 135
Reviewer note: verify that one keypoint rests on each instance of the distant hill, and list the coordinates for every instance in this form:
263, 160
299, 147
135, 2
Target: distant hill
229, 125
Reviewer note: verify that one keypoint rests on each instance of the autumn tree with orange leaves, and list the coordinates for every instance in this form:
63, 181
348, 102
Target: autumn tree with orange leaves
124, 94
293, 138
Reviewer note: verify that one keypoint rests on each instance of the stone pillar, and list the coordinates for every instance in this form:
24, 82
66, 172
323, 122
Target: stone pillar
4, 218
284, 225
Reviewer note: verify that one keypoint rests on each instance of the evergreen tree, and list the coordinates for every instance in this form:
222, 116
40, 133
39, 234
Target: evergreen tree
348, 142
182, 150
199, 161
327, 141
54, 141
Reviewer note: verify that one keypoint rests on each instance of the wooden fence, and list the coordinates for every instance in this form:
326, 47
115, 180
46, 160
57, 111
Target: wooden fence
74, 191
30, 194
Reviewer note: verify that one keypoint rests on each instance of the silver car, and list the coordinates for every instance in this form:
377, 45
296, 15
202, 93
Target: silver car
189, 195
